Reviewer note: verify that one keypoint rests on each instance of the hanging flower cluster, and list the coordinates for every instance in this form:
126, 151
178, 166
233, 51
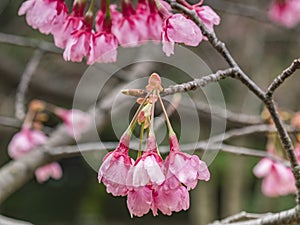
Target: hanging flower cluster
285, 12
31, 134
151, 182
149, 20
278, 179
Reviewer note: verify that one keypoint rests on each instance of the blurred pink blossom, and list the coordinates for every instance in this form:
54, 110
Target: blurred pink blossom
51, 170
24, 141
76, 121
277, 179
285, 12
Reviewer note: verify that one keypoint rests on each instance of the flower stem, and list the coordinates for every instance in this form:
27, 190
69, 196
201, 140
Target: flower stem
134, 119
141, 140
171, 131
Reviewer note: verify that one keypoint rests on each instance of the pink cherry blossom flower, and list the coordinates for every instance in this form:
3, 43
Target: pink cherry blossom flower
74, 22
44, 14
24, 141
188, 169
208, 16
76, 121
78, 46
128, 27
115, 168
104, 44
140, 200
148, 169
170, 197
51, 170
62, 34
277, 179
103, 48
177, 28
285, 12
154, 22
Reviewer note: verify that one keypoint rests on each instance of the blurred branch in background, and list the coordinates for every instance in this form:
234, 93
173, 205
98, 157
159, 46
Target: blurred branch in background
240, 9
28, 42
10, 122
24, 83
9, 221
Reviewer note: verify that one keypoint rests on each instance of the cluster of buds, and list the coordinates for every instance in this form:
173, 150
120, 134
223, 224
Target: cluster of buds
31, 134
149, 20
278, 179
151, 182
285, 12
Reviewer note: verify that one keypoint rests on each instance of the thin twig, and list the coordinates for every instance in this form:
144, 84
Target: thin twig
187, 86
200, 82
282, 77
76, 150
24, 83
229, 116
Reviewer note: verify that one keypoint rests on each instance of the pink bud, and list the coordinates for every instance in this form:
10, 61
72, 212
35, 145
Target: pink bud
277, 179
51, 170
24, 141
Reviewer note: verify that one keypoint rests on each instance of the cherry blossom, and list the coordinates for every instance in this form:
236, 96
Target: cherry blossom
104, 44
54, 13
140, 200
177, 28
24, 141
147, 168
277, 179
170, 197
188, 169
114, 170
51, 170
286, 12
76, 121
74, 22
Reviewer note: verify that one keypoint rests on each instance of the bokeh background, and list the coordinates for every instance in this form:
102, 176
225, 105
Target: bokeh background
262, 48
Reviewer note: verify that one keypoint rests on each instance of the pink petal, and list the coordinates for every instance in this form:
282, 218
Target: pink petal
139, 201
263, 167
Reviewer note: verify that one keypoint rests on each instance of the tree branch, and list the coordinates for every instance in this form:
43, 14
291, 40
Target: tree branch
200, 82
282, 77
290, 216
